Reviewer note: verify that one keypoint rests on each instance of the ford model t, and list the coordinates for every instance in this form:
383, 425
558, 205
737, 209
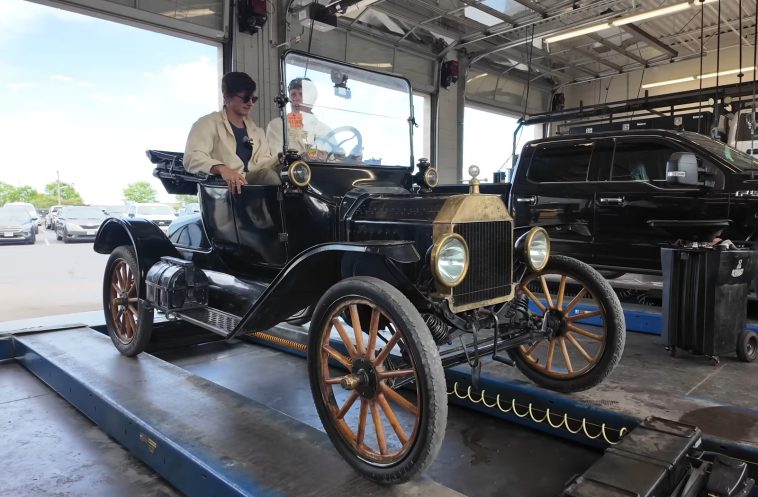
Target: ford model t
397, 280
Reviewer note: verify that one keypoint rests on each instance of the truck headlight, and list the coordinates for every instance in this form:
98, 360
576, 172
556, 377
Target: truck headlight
535, 245
450, 260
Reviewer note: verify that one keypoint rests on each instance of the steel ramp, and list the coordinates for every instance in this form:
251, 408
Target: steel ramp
202, 438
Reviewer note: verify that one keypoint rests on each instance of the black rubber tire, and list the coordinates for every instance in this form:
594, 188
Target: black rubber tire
616, 330
57, 236
425, 355
747, 346
141, 337
33, 239
65, 236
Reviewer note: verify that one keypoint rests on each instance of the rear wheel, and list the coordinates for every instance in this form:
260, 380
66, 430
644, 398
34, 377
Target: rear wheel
388, 433
747, 346
129, 322
586, 330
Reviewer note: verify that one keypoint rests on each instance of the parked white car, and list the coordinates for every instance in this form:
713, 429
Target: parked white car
160, 214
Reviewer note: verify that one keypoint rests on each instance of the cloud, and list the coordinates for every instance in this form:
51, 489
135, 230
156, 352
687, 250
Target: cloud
21, 16
193, 81
59, 77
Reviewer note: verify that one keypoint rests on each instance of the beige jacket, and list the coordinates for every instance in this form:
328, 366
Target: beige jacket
211, 141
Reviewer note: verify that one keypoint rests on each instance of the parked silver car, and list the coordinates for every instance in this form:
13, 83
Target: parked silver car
52, 214
17, 226
78, 222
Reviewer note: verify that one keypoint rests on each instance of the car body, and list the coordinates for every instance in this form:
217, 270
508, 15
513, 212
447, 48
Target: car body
161, 214
605, 198
408, 277
52, 213
17, 226
78, 223
30, 209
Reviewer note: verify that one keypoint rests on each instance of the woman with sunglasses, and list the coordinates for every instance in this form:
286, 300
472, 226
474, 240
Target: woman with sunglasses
229, 143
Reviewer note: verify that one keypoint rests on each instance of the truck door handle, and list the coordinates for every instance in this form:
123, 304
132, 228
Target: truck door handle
532, 200
611, 200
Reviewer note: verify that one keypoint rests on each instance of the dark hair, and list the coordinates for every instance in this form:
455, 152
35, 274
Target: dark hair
297, 83
235, 82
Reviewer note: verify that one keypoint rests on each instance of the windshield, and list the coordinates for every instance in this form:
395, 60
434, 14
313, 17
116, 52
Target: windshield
83, 213
731, 155
15, 216
155, 209
338, 113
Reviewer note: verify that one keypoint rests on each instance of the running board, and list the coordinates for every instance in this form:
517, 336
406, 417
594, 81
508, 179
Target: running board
211, 319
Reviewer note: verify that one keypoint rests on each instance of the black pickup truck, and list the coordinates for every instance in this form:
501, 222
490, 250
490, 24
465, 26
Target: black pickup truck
612, 199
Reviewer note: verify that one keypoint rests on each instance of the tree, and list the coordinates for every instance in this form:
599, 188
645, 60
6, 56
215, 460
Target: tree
139, 192
6, 193
69, 195
186, 199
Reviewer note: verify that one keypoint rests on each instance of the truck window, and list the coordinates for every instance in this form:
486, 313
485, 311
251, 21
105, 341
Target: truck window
560, 162
640, 160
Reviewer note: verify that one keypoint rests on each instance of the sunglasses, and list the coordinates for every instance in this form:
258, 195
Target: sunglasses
247, 98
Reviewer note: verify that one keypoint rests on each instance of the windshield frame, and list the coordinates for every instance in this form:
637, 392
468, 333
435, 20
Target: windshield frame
284, 98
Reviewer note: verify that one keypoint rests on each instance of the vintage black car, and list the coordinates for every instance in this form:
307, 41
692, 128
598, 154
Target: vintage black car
613, 199
398, 281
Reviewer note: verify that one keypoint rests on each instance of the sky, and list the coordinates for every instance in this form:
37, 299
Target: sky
86, 97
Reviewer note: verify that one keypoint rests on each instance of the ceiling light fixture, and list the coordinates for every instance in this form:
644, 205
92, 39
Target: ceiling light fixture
695, 78
620, 21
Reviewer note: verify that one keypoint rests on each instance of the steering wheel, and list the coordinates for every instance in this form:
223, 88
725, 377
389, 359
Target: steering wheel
355, 134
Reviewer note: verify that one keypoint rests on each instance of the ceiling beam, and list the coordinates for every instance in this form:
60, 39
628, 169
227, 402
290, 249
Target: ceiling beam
643, 35
617, 48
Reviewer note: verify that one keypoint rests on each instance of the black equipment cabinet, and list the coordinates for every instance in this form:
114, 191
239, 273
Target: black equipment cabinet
705, 298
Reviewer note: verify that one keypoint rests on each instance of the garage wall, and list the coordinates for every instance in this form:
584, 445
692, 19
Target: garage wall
627, 86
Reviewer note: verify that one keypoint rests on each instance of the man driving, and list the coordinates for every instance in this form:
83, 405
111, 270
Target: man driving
305, 132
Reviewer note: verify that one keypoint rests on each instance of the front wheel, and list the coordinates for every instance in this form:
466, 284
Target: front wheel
585, 326
129, 322
380, 393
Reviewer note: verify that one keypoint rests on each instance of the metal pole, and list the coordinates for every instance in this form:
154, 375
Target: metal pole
58, 181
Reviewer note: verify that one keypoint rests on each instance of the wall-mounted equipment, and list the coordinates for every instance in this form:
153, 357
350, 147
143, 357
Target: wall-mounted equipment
321, 17
448, 73
251, 15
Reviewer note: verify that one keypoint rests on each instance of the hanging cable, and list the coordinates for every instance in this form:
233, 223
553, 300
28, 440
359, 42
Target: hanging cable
755, 63
700, 90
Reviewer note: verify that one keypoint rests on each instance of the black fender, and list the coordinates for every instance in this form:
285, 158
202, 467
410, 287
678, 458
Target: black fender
306, 278
147, 239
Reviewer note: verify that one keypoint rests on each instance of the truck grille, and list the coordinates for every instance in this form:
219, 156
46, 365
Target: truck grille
490, 270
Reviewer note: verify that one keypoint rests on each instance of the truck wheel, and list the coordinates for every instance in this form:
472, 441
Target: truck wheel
129, 322
584, 343
386, 433
747, 346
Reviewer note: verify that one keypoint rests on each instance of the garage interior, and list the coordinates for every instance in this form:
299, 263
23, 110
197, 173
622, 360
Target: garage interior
198, 415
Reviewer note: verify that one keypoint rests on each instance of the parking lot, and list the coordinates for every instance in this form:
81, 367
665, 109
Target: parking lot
49, 278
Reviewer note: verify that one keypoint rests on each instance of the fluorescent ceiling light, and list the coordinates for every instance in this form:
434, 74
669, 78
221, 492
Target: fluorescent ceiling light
668, 82
695, 78
726, 73
678, 7
578, 32
651, 13
477, 77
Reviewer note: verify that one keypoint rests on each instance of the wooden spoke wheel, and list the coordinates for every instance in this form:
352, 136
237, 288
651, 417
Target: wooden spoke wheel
377, 379
129, 322
584, 323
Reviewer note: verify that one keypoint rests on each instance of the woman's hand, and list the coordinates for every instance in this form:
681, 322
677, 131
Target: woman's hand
234, 179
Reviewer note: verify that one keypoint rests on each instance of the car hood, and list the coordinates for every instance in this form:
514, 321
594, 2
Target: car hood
84, 220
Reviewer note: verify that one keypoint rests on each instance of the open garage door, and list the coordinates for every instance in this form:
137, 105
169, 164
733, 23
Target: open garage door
207, 19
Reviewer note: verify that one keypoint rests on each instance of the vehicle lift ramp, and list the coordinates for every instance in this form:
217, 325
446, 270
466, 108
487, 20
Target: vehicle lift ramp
207, 440
202, 438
